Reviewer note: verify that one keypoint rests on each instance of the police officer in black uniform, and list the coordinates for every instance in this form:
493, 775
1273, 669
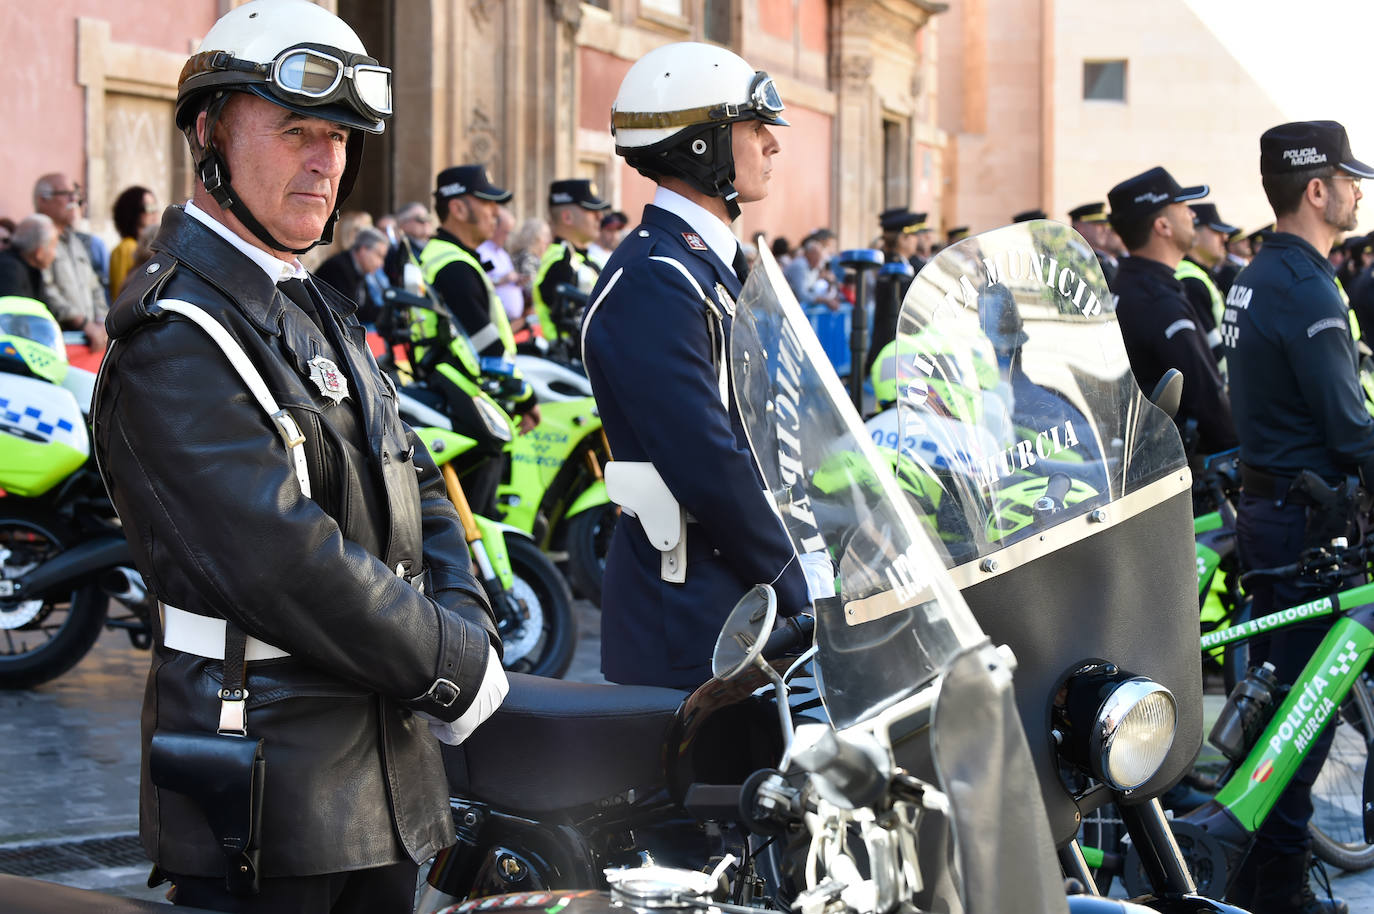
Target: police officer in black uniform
1090, 221
1157, 322
900, 227
1298, 406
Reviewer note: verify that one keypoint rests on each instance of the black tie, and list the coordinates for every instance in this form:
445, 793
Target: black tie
299, 292
741, 264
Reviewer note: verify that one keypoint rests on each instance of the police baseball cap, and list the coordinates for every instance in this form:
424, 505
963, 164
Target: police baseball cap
615, 219
1309, 144
1147, 193
1030, 215
576, 190
901, 219
461, 180
1089, 212
1206, 214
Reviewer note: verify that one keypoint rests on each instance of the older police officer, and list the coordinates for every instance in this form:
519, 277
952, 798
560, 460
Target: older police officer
1298, 406
699, 121
313, 578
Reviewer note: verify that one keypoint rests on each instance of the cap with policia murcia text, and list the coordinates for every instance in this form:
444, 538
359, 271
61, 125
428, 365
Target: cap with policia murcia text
1089, 212
1147, 193
1309, 144
1206, 214
461, 180
576, 190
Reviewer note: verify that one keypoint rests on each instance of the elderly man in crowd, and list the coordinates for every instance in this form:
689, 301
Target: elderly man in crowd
348, 272
32, 249
72, 288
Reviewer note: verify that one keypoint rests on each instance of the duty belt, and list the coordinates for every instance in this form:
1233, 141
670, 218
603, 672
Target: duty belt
1261, 484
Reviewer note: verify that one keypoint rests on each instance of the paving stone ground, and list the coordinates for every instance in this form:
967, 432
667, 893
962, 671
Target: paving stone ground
69, 753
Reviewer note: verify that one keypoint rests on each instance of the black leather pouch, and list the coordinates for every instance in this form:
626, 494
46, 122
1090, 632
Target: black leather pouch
223, 776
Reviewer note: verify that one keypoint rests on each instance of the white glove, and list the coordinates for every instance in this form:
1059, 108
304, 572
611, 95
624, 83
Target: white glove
820, 575
490, 694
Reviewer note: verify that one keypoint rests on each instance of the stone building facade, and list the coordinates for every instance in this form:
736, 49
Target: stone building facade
522, 85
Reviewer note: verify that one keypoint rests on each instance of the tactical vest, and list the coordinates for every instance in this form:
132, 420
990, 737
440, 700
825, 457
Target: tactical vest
1189, 270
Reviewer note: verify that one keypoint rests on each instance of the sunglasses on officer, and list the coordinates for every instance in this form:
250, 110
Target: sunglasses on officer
318, 75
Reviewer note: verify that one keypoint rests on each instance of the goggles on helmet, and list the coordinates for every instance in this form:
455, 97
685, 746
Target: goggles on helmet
308, 75
764, 103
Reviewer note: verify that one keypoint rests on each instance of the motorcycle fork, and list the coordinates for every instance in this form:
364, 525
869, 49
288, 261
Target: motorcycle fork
494, 569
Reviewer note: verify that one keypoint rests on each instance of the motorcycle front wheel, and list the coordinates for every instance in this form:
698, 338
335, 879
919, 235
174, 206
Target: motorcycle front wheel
589, 539
42, 636
1337, 824
543, 642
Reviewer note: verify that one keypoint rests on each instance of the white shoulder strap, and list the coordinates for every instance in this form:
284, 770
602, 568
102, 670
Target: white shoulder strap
287, 428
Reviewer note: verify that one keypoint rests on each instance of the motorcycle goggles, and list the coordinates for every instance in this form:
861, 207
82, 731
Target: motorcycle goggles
764, 103
314, 75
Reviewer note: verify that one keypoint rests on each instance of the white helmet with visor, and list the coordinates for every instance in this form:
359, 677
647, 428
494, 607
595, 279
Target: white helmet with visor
673, 113
292, 53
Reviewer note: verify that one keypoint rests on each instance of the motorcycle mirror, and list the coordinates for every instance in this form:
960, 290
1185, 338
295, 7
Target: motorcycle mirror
1168, 393
744, 633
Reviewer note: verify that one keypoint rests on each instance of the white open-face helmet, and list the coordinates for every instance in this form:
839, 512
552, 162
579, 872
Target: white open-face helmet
292, 53
673, 113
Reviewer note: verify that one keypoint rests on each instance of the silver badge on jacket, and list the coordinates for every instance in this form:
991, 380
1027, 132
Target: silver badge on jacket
328, 378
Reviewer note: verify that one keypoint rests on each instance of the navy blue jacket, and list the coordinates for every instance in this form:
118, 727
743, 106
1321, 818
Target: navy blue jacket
1160, 330
648, 355
1294, 380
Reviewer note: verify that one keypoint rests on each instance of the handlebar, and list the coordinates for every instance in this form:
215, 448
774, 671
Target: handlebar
1321, 565
791, 635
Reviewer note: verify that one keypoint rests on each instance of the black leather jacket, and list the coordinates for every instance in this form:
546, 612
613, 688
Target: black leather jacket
219, 526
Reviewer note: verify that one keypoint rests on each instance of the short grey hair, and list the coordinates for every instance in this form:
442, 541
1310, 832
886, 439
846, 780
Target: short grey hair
369, 238
414, 204
32, 233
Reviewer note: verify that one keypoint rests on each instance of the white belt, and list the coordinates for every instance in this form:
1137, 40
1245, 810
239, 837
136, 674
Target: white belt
204, 636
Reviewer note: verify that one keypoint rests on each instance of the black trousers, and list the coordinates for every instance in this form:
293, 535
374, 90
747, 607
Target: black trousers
380, 890
1269, 534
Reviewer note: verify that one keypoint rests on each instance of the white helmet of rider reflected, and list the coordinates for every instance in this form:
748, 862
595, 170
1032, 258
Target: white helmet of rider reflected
294, 54
673, 113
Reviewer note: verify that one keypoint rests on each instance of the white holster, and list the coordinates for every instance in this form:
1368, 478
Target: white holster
641, 492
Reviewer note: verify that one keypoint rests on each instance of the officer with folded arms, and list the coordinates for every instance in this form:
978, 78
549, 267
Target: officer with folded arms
698, 121
314, 586
1158, 324
1298, 406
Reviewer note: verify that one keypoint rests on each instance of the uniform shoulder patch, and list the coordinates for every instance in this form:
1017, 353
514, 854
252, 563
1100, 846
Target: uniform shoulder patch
1327, 323
694, 241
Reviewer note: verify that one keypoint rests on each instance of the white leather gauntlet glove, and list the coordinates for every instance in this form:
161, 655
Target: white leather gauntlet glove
820, 575
490, 694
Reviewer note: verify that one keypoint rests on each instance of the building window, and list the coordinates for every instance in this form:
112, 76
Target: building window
666, 7
1104, 80
599, 4
718, 25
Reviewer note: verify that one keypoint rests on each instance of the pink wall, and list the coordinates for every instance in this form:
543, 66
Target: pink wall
42, 107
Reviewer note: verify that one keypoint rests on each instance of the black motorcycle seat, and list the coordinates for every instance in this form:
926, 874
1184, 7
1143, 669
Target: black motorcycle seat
557, 745
33, 896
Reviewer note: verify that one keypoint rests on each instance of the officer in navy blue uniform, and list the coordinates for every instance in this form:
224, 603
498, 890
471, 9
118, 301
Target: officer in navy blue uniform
655, 339
1298, 406
1157, 322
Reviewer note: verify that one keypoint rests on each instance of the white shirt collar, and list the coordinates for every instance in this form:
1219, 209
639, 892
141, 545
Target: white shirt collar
715, 233
277, 270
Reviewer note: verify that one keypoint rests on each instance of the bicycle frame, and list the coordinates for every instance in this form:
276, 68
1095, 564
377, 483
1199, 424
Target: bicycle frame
1315, 696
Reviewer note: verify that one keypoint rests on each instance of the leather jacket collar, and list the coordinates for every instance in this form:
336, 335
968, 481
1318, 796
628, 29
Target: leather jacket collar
183, 243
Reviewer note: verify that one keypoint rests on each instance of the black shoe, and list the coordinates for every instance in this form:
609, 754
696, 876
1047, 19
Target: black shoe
1282, 887
1181, 798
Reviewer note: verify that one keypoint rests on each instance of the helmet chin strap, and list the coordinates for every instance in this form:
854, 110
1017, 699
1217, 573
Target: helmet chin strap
213, 172
704, 160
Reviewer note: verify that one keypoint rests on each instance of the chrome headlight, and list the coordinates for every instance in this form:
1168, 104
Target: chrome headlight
496, 421
1117, 725
1133, 732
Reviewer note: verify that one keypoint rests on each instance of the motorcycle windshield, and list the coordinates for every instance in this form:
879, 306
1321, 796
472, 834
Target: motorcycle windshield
1019, 420
896, 621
